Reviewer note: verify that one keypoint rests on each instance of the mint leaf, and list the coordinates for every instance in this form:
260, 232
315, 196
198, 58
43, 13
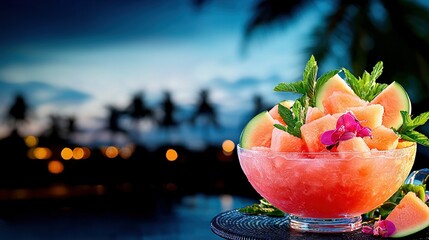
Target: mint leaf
309, 79
377, 70
306, 86
281, 127
415, 136
295, 87
407, 132
263, 208
409, 124
293, 118
366, 86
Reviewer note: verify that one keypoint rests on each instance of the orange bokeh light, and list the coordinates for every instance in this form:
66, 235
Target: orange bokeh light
228, 146
66, 153
171, 155
31, 141
55, 167
111, 152
42, 153
78, 153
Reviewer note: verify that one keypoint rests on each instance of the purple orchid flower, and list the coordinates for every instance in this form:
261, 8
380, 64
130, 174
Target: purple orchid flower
348, 127
382, 228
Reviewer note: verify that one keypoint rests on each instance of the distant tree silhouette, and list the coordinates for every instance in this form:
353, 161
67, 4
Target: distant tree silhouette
71, 124
168, 108
113, 120
55, 130
138, 110
205, 110
17, 113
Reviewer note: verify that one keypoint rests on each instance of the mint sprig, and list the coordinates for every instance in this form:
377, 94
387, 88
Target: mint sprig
407, 132
306, 86
294, 118
366, 86
263, 208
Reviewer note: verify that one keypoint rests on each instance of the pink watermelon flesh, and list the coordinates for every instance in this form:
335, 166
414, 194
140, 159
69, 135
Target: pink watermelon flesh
257, 132
282, 141
394, 99
312, 131
336, 83
409, 216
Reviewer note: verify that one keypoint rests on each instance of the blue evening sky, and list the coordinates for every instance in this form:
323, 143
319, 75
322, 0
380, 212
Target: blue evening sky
77, 57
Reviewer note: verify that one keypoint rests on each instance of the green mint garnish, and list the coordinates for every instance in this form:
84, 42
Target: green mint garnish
263, 208
306, 86
407, 132
294, 118
366, 86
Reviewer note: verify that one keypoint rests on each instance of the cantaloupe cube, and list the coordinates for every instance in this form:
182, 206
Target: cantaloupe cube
312, 131
369, 116
282, 141
383, 138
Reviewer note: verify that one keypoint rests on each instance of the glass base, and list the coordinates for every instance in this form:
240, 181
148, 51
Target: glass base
325, 225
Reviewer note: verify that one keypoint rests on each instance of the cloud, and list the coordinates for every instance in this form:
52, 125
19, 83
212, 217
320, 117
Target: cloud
38, 93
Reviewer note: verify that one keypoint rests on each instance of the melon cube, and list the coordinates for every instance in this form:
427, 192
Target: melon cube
282, 141
355, 144
369, 116
274, 111
312, 131
313, 113
339, 102
383, 138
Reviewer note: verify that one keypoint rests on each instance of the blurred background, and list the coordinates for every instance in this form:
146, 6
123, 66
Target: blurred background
119, 119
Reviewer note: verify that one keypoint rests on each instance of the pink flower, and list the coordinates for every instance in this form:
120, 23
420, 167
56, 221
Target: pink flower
347, 128
382, 228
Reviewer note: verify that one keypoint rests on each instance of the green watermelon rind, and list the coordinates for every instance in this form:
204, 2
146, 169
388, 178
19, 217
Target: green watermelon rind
251, 127
403, 96
412, 230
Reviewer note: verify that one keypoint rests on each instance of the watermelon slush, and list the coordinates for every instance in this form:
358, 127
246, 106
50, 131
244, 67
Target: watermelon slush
326, 184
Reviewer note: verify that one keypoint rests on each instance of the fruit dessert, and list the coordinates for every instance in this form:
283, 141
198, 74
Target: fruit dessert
338, 151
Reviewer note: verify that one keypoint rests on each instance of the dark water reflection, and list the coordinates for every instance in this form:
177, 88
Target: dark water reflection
168, 218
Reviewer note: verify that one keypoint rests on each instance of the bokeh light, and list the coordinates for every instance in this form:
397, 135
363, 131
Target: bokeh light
171, 155
78, 153
42, 153
228, 147
31, 141
111, 152
126, 151
55, 167
66, 153
86, 152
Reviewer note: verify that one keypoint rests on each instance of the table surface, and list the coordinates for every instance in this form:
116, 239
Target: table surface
239, 226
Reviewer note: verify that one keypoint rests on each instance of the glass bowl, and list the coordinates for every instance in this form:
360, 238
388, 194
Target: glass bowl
326, 191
